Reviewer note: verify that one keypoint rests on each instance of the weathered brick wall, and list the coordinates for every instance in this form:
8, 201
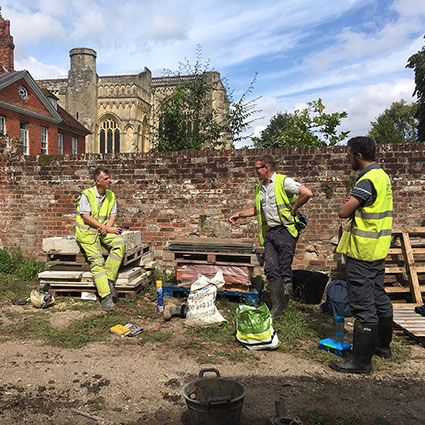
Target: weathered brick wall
168, 196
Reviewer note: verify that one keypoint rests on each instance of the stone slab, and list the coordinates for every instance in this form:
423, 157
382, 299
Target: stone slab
60, 275
65, 245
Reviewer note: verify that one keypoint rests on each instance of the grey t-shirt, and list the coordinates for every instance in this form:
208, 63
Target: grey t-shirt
85, 204
268, 198
365, 189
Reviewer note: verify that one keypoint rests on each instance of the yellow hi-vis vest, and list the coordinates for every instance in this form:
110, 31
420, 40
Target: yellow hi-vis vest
283, 204
367, 235
85, 233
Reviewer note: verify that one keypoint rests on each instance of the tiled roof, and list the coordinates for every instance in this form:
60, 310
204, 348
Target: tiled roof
67, 118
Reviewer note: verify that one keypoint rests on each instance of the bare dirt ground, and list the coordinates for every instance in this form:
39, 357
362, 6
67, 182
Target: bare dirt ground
127, 383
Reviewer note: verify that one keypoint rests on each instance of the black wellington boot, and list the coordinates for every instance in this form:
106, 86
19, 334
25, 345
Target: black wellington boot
279, 302
364, 344
385, 336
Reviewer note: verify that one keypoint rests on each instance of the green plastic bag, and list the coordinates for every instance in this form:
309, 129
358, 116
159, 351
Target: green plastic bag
254, 328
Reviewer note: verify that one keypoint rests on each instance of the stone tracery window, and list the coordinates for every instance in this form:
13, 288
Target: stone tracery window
109, 137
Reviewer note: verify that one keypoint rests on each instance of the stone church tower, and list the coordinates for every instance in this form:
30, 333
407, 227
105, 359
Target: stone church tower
119, 110
116, 109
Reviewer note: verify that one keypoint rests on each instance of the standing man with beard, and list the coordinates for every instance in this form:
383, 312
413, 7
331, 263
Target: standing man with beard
277, 201
365, 244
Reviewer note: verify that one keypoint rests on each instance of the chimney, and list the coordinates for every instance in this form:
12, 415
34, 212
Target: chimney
6, 45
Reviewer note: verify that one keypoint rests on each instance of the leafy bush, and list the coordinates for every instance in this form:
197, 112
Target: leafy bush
7, 262
29, 268
13, 263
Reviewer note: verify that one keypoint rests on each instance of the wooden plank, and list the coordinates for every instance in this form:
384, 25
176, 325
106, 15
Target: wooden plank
409, 230
412, 323
398, 251
410, 267
401, 289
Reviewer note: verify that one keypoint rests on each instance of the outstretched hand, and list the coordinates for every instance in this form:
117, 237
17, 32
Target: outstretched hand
234, 218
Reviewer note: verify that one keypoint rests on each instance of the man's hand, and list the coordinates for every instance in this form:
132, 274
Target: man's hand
234, 218
103, 230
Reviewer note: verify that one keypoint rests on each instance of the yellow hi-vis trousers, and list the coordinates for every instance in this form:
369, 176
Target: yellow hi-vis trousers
101, 270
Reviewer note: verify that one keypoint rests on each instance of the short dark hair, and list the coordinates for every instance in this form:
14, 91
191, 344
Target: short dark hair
267, 160
364, 145
96, 173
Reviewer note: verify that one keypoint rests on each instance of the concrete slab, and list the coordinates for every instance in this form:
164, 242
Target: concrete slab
65, 245
60, 275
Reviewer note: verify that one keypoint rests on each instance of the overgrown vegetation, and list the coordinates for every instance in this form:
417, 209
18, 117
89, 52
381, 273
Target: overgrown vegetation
14, 263
311, 126
201, 112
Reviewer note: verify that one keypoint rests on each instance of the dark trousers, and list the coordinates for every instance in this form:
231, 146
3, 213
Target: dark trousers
366, 290
279, 250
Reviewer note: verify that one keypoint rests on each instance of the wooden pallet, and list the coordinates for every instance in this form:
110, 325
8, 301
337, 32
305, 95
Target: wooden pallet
218, 258
171, 289
79, 261
212, 244
76, 292
405, 266
410, 322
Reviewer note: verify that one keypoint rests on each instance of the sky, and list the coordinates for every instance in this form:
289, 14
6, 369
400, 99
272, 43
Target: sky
350, 53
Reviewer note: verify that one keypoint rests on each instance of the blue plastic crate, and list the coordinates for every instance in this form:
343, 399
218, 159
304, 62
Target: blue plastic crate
338, 348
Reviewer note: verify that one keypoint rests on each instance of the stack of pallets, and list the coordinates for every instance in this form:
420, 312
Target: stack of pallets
405, 279
69, 270
193, 256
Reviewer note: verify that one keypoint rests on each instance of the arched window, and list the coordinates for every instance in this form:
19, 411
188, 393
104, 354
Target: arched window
109, 137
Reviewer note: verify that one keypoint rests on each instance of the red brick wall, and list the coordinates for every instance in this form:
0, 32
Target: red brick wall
168, 196
32, 103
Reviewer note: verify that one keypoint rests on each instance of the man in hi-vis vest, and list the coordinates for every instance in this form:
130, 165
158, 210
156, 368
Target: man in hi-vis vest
365, 243
277, 201
96, 214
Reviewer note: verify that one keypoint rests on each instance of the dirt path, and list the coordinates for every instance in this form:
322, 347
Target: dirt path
128, 383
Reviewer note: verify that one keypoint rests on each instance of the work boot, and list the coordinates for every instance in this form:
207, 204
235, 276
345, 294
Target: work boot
172, 310
107, 303
364, 344
279, 301
385, 336
112, 288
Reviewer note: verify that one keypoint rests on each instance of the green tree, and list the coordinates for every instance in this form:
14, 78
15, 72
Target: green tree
188, 120
397, 124
311, 126
269, 137
417, 62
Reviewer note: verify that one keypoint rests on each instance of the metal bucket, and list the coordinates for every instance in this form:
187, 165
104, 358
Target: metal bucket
214, 401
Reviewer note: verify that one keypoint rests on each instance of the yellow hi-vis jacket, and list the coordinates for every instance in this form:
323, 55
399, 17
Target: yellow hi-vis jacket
367, 235
85, 233
283, 204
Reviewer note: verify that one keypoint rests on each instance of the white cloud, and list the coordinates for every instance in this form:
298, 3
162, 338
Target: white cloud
40, 70
42, 27
167, 28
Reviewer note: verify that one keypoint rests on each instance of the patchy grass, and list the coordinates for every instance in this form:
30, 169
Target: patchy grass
12, 288
35, 325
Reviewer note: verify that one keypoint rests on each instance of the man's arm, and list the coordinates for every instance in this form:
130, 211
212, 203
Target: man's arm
249, 212
304, 195
346, 210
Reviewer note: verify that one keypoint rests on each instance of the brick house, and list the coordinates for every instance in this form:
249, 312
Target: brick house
30, 113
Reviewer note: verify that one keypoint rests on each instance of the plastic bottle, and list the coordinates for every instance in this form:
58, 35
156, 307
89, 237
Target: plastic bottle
339, 329
159, 297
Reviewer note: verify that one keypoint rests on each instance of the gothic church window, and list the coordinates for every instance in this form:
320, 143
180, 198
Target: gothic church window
109, 137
